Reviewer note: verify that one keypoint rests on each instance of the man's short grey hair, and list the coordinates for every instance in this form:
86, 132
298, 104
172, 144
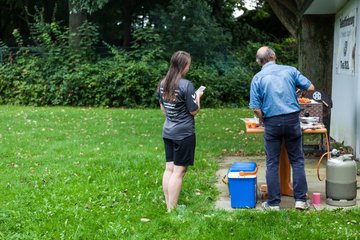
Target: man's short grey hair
265, 56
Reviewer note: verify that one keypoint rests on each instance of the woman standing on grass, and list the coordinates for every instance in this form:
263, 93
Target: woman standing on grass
180, 103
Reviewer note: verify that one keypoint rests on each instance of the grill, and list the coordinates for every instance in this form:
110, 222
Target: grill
319, 107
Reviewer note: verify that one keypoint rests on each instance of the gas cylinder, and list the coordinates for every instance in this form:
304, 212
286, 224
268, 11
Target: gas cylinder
341, 180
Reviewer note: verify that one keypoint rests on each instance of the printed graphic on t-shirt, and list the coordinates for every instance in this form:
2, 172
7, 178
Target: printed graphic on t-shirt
172, 111
194, 98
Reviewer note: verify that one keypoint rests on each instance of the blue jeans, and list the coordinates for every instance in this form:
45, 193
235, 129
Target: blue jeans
277, 128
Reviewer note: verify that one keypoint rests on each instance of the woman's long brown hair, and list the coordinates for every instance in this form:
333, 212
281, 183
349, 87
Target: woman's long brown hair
178, 62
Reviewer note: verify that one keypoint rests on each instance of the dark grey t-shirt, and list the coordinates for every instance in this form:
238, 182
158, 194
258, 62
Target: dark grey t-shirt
179, 122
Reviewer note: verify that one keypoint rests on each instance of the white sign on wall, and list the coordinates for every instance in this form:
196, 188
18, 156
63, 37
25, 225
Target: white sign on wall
345, 63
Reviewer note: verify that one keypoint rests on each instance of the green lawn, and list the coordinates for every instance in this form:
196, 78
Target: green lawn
83, 173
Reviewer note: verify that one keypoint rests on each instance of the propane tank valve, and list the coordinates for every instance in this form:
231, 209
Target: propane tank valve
335, 153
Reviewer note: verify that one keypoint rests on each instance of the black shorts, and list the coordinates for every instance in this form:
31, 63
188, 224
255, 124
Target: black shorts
181, 152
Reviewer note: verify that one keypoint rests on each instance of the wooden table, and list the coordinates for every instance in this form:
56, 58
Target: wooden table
284, 163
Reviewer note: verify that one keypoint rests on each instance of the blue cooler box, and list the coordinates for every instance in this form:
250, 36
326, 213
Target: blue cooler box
242, 184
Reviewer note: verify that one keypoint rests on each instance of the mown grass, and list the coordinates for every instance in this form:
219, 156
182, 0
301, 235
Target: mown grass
82, 173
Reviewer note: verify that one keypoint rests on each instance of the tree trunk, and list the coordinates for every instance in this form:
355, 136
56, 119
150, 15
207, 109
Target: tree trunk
126, 26
316, 49
287, 13
49, 7
128, 8
315, 54
216, 8
75, 21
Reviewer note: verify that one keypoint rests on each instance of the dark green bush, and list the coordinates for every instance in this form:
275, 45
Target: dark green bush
55, 73
227, 85
111, 82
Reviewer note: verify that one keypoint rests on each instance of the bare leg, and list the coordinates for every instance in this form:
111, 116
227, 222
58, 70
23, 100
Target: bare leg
174, 187
165, 181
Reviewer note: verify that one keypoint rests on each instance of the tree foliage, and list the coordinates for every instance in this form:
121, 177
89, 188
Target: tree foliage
188, 25
45, 68
89, 6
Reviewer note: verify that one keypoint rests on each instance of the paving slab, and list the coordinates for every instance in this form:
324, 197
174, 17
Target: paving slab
314, 184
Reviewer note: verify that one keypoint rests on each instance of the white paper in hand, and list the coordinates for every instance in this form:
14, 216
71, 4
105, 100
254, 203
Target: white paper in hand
201, 89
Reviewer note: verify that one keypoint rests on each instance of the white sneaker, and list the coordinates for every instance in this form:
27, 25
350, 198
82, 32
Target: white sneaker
302, 205
267, 207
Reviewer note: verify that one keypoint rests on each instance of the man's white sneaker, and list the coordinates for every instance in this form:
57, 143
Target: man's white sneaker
302, 205
267, 207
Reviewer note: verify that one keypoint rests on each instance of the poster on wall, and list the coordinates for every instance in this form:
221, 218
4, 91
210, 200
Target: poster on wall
347, 43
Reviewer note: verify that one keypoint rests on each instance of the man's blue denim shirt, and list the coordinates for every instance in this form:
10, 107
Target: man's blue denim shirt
273, 89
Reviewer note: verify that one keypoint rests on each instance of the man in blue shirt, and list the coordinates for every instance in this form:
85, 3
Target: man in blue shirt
273, 99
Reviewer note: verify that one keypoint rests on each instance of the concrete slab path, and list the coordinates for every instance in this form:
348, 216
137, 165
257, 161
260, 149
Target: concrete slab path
314, 185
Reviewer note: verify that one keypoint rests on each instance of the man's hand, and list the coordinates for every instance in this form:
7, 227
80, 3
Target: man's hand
258, 113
